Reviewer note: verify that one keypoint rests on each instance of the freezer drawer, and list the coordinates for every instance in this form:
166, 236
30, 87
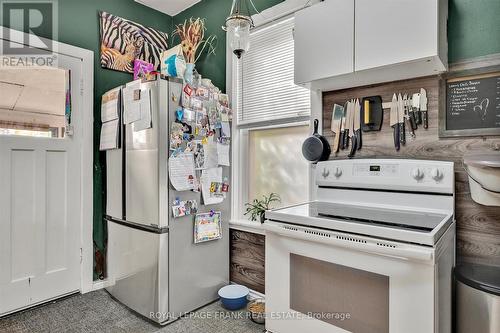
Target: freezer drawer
138, 269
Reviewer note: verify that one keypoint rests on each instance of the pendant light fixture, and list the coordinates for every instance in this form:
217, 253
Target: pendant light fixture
238, 26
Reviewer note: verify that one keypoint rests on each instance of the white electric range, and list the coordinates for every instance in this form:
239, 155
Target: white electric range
373, 253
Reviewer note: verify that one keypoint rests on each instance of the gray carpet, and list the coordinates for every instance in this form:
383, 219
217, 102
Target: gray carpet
98, 312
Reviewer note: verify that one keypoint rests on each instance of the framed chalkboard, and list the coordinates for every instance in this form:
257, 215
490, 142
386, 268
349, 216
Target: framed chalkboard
472, 106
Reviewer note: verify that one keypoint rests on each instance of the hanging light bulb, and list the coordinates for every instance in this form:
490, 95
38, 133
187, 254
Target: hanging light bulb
238, 26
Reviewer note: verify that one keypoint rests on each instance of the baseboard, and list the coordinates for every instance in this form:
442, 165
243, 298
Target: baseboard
101, 284
253, 294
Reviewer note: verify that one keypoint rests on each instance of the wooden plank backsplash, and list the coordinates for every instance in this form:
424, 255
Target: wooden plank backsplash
478, 227
247, 259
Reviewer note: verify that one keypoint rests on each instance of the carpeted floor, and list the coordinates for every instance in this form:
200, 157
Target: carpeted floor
98, 312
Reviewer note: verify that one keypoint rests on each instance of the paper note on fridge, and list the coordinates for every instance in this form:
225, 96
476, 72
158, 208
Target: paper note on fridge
226, 129
132, 102
210, 154
145, 108
181, 171
223, 154
208, 176
110, 105
110, 135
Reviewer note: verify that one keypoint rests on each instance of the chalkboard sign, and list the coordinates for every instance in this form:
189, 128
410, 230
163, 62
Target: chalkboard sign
473, 105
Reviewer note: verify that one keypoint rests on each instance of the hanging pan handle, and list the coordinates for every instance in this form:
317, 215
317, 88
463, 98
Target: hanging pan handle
316, 126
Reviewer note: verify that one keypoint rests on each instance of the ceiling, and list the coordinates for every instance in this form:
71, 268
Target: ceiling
169, 7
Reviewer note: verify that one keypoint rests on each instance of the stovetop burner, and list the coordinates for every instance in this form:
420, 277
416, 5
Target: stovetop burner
392, 218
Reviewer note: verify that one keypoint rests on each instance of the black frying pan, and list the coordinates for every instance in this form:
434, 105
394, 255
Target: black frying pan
316, 148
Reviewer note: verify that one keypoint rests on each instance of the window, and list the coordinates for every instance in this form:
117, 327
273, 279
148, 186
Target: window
264, 77
276, 164
34, 101
272, 120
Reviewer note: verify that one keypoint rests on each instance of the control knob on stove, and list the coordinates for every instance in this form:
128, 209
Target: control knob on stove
325, 173
436, 174
417, 174
337, 172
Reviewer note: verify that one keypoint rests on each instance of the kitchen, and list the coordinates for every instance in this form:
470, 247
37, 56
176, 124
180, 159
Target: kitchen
174, 182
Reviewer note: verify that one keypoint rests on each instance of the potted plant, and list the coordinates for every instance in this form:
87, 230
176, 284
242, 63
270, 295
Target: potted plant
257, 207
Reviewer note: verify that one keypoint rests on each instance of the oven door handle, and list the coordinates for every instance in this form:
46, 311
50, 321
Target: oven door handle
402, 253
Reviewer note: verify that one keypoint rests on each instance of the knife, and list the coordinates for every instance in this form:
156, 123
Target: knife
411, 114
408, 116
415, 100
417, 105
338, 111
423, 107
352, 132
394, 121
401, 119
357, 125
347, 124
342, 127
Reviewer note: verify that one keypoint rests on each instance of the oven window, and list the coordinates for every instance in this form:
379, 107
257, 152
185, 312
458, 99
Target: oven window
348, 298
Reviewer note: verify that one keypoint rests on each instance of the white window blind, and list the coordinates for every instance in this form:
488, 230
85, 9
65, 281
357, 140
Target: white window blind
265, 87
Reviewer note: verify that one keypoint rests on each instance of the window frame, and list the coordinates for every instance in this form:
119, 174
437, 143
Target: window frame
239, 193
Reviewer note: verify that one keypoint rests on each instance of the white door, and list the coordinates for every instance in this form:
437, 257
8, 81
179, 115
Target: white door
40, 198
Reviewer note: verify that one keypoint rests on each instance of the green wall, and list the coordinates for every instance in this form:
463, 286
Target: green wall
215, 13
473, 28
79, 26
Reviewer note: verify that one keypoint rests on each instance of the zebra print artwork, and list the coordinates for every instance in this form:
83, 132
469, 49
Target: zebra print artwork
123, 41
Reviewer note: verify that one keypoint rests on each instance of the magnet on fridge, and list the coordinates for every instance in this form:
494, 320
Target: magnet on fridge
176, 152
137, 94
179, 113
188, 90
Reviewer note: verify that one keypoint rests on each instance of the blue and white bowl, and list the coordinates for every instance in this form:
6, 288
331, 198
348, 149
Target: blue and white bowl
234, 296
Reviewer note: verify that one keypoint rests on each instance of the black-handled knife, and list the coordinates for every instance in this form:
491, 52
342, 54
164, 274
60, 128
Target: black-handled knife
402, 133
394, 121
342, 135
353, 146
401, 119
423, 107
397, 140
357, 124
359, 139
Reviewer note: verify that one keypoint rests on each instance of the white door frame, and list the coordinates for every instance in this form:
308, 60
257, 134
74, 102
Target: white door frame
87, 93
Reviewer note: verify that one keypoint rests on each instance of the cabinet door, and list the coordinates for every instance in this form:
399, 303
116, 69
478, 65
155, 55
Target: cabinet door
324, 40
394, 31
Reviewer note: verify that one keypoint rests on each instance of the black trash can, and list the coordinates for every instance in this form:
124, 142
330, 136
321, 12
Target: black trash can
477, 299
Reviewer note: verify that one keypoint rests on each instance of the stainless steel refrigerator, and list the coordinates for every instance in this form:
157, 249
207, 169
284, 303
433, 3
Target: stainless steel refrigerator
154, 266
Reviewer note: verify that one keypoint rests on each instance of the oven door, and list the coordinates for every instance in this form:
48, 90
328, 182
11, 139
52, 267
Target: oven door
321, 281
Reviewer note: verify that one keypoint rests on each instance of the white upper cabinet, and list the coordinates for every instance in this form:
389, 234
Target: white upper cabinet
394, 31
348, 43
324, 40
